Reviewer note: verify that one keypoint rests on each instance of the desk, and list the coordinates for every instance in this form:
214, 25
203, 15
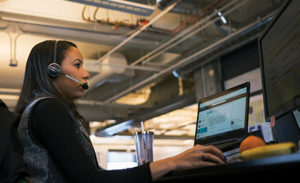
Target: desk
267, 168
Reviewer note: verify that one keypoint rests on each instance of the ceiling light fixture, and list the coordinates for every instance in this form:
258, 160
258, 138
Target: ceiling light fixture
223, 19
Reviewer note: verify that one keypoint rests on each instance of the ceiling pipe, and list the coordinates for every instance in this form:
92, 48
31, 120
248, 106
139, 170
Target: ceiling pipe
180, 63
120, 5
113, 64
193, 18
186, 70
70, 30
189, 20
139, 31
13, 62
108, 70
162, 48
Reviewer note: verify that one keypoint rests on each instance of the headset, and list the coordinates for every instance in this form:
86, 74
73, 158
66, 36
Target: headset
54, 69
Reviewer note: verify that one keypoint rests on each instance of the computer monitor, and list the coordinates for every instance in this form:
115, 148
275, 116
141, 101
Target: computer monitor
279, 48
280, 60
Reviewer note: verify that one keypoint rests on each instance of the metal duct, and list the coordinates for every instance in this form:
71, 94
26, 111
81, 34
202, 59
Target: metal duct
115, 63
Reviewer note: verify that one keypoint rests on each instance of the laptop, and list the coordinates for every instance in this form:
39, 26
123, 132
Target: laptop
222, 119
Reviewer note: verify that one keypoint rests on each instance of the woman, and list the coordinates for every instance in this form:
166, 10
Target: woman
56, 145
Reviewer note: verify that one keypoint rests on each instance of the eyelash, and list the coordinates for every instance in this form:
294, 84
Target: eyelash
77, 65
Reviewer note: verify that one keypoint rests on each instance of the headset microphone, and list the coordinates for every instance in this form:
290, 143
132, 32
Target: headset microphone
83, 85
54, 70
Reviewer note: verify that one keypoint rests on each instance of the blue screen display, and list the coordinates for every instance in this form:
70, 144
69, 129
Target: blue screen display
222, 114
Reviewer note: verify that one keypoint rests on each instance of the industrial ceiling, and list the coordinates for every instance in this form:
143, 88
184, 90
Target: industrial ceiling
146, 58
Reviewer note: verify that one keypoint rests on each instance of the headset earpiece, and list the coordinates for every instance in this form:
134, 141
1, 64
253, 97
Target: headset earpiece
54, 70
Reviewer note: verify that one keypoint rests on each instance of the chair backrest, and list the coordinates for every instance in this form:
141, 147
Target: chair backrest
12, 165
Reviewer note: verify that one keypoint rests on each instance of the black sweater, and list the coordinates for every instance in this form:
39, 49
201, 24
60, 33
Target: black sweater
52, 127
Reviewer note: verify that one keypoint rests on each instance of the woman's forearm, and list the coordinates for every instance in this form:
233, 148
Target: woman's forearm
161, 167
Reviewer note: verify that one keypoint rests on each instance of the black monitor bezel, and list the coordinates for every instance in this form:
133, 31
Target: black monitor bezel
240, 133
260, 39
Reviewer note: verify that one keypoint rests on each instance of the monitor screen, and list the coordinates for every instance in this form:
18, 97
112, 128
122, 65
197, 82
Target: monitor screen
279, 48
223, 116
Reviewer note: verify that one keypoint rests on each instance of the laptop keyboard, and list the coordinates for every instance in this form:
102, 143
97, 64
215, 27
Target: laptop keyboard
231, 153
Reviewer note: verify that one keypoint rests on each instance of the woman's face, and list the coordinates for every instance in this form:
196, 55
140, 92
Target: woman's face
72, 65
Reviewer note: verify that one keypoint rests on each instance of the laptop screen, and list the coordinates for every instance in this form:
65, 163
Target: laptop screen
224, 116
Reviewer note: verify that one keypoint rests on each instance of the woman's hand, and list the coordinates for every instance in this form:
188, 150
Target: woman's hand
198, 156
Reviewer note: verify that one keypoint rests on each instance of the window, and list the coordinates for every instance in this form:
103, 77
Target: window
121, 159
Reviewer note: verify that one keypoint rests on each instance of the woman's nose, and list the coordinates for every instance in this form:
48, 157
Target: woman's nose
86, 74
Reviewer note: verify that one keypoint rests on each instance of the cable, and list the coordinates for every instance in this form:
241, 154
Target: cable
82, 14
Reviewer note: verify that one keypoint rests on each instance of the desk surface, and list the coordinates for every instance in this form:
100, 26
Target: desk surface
271, 168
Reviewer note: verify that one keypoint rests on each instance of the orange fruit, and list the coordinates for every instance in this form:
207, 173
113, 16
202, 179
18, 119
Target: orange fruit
251, 142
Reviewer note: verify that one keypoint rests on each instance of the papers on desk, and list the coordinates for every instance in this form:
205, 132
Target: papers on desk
265, 129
